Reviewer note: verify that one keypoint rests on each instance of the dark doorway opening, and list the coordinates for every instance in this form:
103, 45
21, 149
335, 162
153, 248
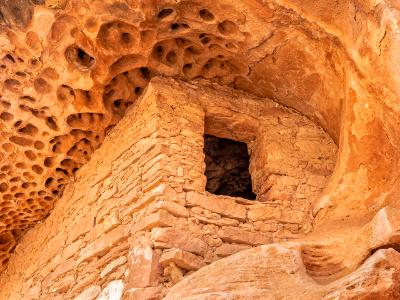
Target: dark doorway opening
227, 167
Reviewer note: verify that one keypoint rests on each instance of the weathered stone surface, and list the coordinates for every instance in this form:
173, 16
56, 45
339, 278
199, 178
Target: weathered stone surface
168, 218
33, 292
172, 207
264, 212
229, 249
150, 293
323, 158
180, 239
17, 12
66, 103
182, 259
238, 235
113, 265
275, 272
113, 291
173, 273
225, 206
377, 278
143, 267
89, 294
103, 245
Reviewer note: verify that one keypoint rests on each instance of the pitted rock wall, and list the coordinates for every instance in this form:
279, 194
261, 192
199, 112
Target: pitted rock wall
69, 70
69, 64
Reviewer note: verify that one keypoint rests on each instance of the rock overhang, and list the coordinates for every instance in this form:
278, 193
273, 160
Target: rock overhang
70, 70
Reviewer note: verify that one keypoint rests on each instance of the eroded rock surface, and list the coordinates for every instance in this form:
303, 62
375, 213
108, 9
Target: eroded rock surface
70, 69
333, 267
69, 75
275, 272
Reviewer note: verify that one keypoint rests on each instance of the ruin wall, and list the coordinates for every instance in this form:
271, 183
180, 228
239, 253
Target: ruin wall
137, 218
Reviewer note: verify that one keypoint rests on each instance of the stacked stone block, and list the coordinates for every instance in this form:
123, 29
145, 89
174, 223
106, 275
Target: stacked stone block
137, 219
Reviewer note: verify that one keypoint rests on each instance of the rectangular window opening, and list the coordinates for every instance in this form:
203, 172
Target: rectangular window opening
227, 167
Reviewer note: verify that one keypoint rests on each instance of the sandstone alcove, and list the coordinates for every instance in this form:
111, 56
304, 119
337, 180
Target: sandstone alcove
104, 106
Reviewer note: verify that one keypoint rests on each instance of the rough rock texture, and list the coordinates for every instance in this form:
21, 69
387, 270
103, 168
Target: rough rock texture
68, 77
69, 69
276, 272
144, 215
332, 267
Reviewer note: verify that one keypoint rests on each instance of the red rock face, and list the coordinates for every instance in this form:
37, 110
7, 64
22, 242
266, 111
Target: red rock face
324, 154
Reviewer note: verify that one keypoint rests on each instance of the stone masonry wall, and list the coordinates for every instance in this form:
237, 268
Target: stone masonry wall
137, 218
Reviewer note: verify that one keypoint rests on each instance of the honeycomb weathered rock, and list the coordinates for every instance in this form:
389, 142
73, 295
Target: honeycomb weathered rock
69, 69
58, 105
